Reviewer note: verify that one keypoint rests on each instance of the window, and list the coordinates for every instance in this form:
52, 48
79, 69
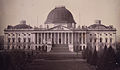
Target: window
8, 40
28, 34
13, 40
8, 34
83, 47
110, 34
8, 47
24, 39
13, 47
13, 34
19, 39
106, 40
83, 38
19, 47
28, 39
90, 39
95, 40
110, 40
24, 34
28, 47
100, 39
24, 47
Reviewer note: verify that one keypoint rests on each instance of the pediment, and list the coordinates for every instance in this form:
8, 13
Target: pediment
60, 27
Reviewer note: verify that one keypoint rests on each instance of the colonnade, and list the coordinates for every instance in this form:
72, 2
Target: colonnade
60, 38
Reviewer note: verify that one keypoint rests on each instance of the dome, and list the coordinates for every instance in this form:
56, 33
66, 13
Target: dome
60, 15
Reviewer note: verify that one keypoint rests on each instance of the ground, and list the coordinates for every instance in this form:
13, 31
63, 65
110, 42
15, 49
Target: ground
67, 64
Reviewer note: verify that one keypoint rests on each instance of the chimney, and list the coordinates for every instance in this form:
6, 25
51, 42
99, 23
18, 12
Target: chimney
23, 21
98, 21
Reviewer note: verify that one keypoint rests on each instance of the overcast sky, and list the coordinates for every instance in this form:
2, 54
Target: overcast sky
85, 12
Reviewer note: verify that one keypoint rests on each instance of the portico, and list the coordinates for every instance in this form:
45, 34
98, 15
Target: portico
71, 38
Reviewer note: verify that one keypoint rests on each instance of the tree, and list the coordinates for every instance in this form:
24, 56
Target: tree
94, 58
118, 58
110, 59
107, 60
89, 56
85, 53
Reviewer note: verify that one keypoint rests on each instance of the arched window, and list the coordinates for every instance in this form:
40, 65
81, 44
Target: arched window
13, 40
8, 34
83, 38
90, 39
100, 39
19, 47
8, 40
90, 34
106, 40
13, 34
28, 39
95, 40
19, 40
24, 39
28, 47
110, 40
24, 47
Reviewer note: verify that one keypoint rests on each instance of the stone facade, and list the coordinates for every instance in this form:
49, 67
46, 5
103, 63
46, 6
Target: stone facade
59, 30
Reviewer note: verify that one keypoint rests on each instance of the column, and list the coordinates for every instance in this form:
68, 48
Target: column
78, 38
61, 38
74, 38
68, 38
65, 37
47, 37
41, 38
82, 41
37, 38
58, 39
71, 38
81, 38
54, 38
51, 37
44, 38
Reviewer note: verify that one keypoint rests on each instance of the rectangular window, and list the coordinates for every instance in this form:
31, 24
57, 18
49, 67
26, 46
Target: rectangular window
100, 39
28, 39
19, 39
13, 40
36, 38
110, 40
24, 39
8, 40
83, 38
95, 40
106, 40
90, 39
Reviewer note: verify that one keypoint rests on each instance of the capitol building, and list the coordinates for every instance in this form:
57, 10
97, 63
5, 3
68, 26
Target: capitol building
59, 33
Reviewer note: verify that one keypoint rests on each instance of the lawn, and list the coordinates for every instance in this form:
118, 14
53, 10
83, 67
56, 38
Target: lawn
72, 64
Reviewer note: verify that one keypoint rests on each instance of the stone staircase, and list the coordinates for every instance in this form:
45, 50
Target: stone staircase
60, 48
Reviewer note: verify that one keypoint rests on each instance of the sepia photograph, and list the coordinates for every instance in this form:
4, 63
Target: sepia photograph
59, 34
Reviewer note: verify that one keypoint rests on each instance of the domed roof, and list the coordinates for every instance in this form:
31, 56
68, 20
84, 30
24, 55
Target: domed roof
100, 26
97, 26
22, 25
60, 15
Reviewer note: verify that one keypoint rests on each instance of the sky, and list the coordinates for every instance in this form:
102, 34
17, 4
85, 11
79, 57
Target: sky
35, 12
